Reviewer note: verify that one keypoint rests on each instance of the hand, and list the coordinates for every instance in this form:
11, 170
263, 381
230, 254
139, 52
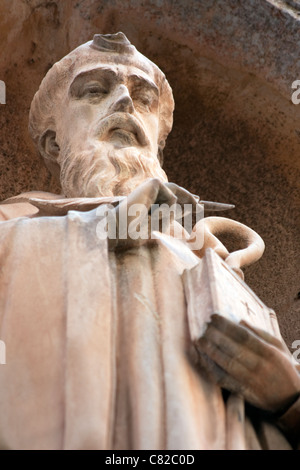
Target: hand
252, 363
151, 191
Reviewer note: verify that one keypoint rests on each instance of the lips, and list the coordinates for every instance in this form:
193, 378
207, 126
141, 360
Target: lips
122, 126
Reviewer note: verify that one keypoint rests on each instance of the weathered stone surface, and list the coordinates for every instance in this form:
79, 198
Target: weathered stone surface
231, 64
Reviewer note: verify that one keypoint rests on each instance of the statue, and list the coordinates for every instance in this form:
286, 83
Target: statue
99, 352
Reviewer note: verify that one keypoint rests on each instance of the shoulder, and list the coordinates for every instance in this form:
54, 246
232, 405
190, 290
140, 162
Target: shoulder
20, 206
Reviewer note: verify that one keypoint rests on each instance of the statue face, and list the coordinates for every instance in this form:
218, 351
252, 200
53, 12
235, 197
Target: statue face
107, 131
100, 118
115, 104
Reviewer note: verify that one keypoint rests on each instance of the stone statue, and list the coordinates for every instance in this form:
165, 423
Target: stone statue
99, 352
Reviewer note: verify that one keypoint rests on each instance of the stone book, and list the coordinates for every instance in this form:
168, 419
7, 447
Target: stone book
212, 287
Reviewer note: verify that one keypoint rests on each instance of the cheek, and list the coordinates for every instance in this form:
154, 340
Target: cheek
75, 122
151, 127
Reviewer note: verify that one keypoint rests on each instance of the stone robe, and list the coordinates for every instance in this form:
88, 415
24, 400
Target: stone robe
98, 353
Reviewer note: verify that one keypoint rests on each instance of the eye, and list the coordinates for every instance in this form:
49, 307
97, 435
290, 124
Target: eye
92, 91
143, 101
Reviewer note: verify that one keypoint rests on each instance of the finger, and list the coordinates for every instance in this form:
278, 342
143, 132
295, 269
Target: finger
183, 196
266, 336
218, 375
149, 192
232, 349
229, 383
165, 196
131, 215
238, 373
232, 375
212, 370
240, 334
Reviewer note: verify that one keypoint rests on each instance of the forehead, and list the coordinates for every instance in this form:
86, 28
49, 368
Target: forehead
113, 72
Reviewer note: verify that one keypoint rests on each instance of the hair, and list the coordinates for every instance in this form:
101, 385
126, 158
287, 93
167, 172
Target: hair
43, 106
100, 172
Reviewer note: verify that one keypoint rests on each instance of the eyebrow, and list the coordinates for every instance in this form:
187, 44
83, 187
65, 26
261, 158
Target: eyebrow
108, 73
146, 82
95, 75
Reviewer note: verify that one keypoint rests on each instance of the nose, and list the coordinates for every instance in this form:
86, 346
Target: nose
123, 102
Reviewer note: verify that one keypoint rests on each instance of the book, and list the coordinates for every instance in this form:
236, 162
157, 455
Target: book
213, 288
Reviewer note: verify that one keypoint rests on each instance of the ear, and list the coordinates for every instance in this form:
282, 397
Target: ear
49, 149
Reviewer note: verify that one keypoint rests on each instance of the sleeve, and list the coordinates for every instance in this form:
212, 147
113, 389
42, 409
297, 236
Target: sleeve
14, 210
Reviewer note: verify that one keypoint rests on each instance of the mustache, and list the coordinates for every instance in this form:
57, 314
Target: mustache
122, 121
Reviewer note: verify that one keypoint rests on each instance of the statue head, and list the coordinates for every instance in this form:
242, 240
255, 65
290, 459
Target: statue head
101, 117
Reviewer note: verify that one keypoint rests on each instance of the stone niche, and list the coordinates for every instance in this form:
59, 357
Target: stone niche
236, 134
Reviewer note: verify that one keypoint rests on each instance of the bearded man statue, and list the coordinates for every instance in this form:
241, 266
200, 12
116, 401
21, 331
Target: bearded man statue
98, 347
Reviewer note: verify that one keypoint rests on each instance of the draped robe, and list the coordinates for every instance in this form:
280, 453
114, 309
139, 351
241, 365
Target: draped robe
98, 353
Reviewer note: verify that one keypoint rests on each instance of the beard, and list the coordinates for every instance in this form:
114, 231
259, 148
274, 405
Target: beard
103, 171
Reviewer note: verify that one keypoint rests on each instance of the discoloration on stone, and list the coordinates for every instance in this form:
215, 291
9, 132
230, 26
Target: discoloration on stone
148, 305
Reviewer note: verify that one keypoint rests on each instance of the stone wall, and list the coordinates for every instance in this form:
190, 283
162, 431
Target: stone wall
236, 135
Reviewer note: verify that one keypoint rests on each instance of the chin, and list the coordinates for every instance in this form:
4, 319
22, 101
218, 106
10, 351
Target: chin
104, 170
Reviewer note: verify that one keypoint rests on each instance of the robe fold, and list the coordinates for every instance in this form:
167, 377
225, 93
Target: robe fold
98, 352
